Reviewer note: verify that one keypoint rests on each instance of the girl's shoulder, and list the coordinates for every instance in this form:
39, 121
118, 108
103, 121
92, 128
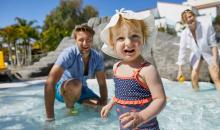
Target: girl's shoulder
148, 73
148, 69
116, 64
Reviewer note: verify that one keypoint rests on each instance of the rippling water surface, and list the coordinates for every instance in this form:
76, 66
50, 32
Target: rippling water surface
23, 108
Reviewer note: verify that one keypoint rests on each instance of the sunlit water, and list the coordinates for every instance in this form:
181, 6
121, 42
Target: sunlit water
23, 108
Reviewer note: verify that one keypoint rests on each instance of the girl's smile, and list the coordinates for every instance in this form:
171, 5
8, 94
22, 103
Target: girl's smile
128, 41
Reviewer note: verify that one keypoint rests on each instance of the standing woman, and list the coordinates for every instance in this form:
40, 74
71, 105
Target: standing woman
200, 38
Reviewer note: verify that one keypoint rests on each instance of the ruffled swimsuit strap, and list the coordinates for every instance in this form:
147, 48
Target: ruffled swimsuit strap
115, 69
136, 74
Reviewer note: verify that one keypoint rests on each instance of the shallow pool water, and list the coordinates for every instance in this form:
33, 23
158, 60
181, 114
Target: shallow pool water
23, 108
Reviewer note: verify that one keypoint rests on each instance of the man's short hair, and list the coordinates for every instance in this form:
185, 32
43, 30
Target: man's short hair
83, 28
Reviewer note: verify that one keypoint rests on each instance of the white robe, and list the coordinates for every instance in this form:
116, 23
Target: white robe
205, 37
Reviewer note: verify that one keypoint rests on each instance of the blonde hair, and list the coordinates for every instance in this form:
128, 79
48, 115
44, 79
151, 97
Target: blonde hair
130, 22
183, 14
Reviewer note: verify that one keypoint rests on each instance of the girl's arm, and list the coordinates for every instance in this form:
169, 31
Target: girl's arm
155, 85
105, 110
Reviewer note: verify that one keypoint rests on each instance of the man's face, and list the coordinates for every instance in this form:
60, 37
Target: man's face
84, 42
190, 19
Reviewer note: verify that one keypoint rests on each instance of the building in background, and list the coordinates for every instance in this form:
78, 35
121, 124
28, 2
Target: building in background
205, 7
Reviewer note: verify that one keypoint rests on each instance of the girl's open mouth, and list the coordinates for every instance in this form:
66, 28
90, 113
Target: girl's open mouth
129, 51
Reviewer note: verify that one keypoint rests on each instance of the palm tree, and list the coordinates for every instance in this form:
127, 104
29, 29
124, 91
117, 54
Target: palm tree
27, 33
9, 35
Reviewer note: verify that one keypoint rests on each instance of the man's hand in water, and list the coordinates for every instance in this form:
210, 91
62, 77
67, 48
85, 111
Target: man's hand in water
50, 119
101, 102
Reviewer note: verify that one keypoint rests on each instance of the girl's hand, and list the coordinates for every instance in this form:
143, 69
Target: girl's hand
131, 119
105, 110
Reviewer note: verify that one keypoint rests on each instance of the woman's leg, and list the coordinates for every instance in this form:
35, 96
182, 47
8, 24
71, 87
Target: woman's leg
215, 75
195, 74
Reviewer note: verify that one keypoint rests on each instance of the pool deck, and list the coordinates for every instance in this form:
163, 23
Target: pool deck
21, 84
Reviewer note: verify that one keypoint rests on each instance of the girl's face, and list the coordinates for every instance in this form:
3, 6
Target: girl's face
128, 41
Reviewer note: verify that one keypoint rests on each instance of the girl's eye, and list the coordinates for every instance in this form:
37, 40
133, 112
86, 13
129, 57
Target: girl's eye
135, 37
120, 39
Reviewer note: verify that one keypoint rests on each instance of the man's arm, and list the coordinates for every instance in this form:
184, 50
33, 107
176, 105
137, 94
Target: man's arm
49, 90
102, 87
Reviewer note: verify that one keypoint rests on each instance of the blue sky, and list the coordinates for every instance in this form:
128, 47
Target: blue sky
38, 9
